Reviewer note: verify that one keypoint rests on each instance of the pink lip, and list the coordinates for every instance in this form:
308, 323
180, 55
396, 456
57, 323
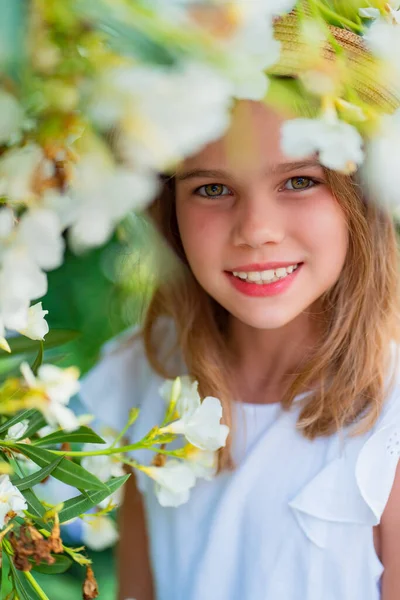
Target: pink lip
266, 289
263, 266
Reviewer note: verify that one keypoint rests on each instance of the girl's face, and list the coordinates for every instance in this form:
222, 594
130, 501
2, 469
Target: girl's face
263, 235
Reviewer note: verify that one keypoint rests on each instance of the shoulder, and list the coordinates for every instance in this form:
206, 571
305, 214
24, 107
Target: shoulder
359, 475
120, 379
115, 384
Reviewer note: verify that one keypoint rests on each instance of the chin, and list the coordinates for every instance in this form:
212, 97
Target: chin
265, 320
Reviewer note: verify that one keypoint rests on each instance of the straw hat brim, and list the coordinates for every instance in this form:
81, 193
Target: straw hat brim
372, 80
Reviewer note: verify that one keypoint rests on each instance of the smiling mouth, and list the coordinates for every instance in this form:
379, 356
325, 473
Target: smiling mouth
265, 277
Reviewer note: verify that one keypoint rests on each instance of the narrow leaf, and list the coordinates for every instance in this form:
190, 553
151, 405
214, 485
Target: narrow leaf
62, 563
67, 471
5, 585
23, 587
83, 435
37, 422
56, 337
25, 414
29, 481
80, 504
38, 359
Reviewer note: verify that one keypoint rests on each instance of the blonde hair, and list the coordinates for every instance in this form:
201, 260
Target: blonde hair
347, 371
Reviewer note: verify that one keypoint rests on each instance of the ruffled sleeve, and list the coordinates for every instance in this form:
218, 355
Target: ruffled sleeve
354, 486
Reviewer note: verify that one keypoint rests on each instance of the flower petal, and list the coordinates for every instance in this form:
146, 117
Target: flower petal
203, 429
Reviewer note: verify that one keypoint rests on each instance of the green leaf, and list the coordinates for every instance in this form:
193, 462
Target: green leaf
29, 481
35, 418
23, 587
35, 507
67, 471
80, 504
37, 422
5, 574
25, 414
23, 345
61, 565
83, 435
38, 359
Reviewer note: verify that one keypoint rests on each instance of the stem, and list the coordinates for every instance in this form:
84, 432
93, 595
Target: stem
125, 429
105, 452
175, 453
35, 585
110, 450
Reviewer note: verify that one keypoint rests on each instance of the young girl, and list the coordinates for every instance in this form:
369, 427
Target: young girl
284, 306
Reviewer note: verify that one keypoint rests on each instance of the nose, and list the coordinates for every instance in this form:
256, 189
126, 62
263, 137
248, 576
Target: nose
259, 220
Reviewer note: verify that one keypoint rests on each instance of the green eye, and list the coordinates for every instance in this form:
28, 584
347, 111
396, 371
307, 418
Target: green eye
300, 183
213, 190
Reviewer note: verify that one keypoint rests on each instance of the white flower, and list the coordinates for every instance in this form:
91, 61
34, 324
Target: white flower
203, 463
21, 280
26, 247
11, 117
54, 387
338, 144
39, 233
17, 431
369, 12
11, 500
381, 173
250, 53
188, 400
279, 7
99, 532
17, 170
173, 482
93, 215
104, 467
391, 12
383, 38
245, 39
201, 426
161, 114
37, 326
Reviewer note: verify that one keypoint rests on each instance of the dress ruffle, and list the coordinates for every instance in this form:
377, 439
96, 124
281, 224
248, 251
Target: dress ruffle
354, 487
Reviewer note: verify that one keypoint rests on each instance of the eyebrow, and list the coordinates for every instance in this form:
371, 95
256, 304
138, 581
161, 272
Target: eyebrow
277, 169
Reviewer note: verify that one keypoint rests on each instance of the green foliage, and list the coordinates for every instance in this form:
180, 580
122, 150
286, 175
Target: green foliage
67, 471
26, 483
80, 504
81, 435
62, 563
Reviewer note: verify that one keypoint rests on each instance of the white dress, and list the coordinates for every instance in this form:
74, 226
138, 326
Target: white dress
294, 521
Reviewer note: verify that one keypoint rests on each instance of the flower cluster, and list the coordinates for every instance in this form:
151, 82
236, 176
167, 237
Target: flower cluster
199, 423
33, 451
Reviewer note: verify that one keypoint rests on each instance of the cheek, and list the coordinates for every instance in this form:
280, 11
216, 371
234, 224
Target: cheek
201, 231
324, 229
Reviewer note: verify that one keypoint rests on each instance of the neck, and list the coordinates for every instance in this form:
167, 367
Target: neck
266, 361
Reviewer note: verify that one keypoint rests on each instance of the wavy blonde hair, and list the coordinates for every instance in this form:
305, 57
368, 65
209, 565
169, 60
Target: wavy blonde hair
348, 371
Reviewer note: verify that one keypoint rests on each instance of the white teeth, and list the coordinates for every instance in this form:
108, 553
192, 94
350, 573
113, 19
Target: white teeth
269, 276
254, 276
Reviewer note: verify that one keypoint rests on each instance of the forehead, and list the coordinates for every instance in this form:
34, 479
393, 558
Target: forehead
253, 140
